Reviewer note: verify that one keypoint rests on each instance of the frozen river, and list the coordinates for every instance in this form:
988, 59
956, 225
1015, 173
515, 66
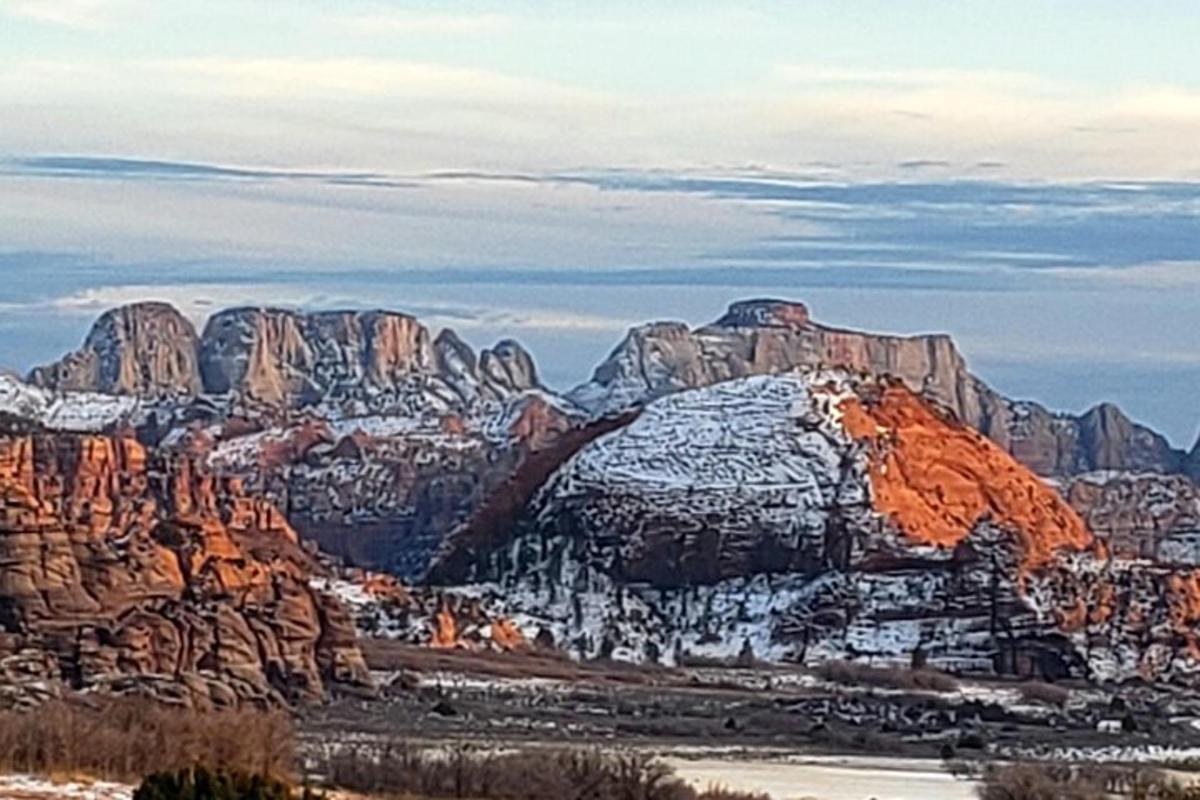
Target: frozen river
830, 778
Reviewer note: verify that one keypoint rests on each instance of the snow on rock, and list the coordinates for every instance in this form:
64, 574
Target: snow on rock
84, 412
741, 521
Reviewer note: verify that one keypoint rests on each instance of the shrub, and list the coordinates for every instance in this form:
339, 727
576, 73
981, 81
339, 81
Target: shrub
1063, 782
852, 674
204, 783
1038, 782
398, 768
125, 739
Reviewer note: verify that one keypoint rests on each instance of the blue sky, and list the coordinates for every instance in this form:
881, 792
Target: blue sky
1021, 174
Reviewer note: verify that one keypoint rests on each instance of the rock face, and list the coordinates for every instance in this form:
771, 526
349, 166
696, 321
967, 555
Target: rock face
282, 358
378, 439
935, 481
285, 358
818, 514
146, 349
1141, 514
762, 337
135, 572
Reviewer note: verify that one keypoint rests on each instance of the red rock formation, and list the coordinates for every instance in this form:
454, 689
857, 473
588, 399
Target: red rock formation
445, 629
937, 479
137, 570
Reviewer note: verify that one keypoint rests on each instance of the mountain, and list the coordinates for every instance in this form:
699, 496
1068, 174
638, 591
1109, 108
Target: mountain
372, 434
377, 438
764, 486
760, 337
822, 514
280, 359
138, 572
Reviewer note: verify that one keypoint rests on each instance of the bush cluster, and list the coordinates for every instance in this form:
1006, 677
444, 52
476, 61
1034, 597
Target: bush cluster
849, 673
1066, 782
203, 783
397, 768
125, 739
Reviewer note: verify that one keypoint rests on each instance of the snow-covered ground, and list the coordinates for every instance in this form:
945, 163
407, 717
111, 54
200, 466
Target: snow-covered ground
28, 787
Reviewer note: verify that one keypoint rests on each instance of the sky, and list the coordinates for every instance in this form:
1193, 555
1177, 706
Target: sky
1023, 175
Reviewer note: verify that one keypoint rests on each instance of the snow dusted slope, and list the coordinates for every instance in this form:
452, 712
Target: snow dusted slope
67, 411
763, 337
723, 522
722, 481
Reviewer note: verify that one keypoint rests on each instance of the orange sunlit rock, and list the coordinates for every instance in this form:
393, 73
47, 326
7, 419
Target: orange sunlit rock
445, 630
937, 479
136, 564
506, 635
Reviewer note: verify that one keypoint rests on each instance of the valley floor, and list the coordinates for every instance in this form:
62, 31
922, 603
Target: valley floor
784, 731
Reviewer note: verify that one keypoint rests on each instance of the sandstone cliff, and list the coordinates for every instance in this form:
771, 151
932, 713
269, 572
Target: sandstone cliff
134, 572
377, 439
145, 349
285, 359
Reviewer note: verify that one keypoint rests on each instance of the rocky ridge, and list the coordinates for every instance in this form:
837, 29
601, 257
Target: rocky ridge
281, 359
377, 438
372, 434
131, 571
758, 337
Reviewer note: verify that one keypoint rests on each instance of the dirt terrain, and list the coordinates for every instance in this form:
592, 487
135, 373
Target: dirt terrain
750, 712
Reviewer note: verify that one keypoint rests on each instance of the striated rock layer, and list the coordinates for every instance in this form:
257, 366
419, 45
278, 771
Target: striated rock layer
132, 572
378, 439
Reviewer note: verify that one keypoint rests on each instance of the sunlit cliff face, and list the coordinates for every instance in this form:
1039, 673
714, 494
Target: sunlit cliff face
936, 479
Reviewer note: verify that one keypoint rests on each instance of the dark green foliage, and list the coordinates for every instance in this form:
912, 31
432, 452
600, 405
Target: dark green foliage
203, 783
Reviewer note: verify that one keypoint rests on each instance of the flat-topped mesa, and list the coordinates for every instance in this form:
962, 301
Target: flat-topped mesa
765, 314
766, 336
144, 349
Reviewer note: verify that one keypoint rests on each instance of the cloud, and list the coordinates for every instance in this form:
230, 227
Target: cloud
825, 75
363, 77
199, 300
66, 13
152, 169
427, 23
1165, 275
